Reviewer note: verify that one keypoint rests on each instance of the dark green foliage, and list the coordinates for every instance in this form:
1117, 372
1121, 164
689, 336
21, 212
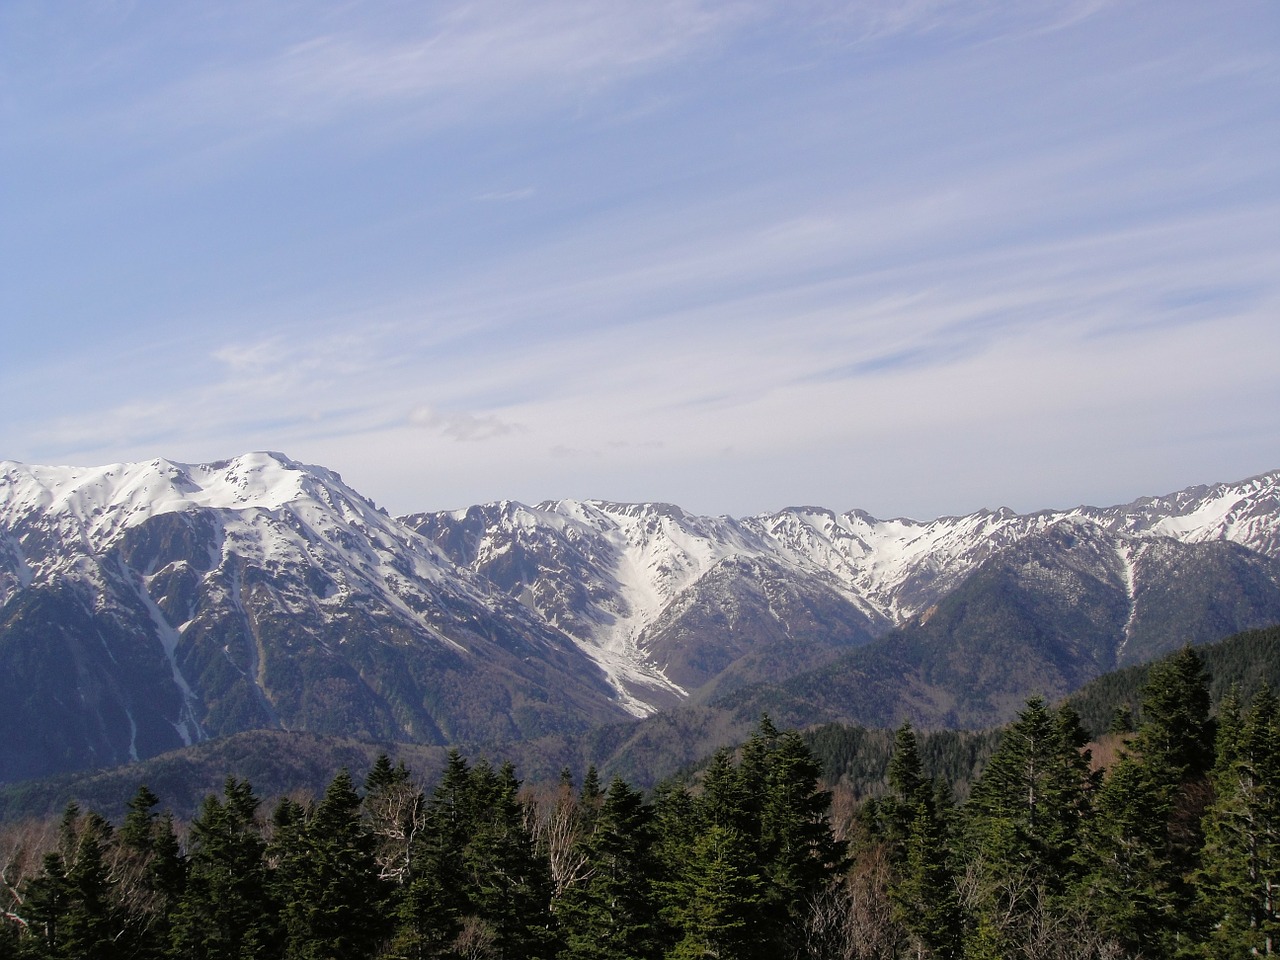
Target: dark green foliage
69, 906
327, 880
612, 915
912, 822
1173, 853
1173, 737
1240, 873
1146, 837
1023, 825
152, 872
1247, 661
716, 902
758, 828
226, 912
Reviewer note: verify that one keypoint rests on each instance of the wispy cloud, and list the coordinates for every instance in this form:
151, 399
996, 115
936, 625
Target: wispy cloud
460, 425
715, 253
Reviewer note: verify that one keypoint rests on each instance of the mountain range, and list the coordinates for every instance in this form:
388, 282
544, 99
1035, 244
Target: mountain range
146, 606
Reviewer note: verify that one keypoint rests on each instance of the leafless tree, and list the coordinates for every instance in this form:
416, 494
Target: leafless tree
475, 941
853, 919
22, 849
397, 814
1018, 912
556, 823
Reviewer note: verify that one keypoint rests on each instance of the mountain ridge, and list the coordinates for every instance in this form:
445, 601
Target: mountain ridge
143, 606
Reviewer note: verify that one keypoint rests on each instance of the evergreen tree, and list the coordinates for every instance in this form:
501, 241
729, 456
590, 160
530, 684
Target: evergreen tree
509, 888
225, 912
612, 915
151, 875
1022, 826
1131, 888
333, 898
1239, 882
716, 902
1146, 841
70, 904
433, 899
1034, 794
798, 854
1173, 737
922, 887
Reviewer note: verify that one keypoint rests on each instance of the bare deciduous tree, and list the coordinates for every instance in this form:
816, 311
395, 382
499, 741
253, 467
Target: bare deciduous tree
853, 919
555, 821
397, 813
22, 849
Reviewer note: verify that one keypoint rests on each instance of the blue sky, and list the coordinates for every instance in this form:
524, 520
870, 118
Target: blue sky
912, 256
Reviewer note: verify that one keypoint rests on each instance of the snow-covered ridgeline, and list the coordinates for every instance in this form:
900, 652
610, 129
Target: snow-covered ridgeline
276, 514
601, 573
891, 569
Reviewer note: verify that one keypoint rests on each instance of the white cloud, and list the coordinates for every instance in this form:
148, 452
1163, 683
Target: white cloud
461, 426
950, 267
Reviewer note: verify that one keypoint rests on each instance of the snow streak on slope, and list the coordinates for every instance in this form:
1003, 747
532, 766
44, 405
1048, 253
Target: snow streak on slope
594, 574
605, 572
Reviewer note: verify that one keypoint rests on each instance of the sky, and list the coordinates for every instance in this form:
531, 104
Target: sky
915, 257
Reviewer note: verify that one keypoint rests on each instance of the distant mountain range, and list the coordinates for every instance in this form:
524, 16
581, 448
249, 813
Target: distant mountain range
144, 606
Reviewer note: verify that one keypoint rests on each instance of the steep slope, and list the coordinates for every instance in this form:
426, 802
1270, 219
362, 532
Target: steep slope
649, 591
664, 601
151, 605
1043, 616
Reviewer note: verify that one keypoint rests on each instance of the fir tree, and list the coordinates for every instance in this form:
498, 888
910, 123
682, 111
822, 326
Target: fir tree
225, 912
1022, 826
152, 875
1239, 881
923, 887
612, 915
333, 897
715, 904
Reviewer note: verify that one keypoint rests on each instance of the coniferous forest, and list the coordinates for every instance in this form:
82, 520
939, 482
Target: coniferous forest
1169, 850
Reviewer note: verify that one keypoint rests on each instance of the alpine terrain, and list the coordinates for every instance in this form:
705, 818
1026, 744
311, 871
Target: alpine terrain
144, 606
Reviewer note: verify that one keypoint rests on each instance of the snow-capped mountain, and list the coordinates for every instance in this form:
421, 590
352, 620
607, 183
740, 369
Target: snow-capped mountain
147, 605
619, 578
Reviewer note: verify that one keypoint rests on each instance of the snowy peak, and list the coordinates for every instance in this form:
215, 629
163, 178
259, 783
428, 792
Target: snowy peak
173, 601
1243, 512
612, 574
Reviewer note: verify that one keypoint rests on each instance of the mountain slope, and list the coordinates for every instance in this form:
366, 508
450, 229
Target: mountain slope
1043, 616
149, 605
158, 604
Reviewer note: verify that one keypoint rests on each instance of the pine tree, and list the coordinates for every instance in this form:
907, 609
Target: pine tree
1173, 736
798, 854
151, 875
1145, 843
612, 915
715, 904
922, 887
1022, 826
70, 904
433, 899
1131, 888
1034, 794
509, 887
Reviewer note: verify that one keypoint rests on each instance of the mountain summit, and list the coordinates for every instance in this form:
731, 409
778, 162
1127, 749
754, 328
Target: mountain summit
143, 606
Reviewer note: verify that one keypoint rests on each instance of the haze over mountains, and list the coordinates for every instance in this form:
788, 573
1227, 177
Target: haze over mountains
144, 606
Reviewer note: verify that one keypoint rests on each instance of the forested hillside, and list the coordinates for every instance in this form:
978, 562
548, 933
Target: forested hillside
1169, 851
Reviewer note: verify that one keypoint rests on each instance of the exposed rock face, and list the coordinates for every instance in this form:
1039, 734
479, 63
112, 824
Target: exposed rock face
147, 605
